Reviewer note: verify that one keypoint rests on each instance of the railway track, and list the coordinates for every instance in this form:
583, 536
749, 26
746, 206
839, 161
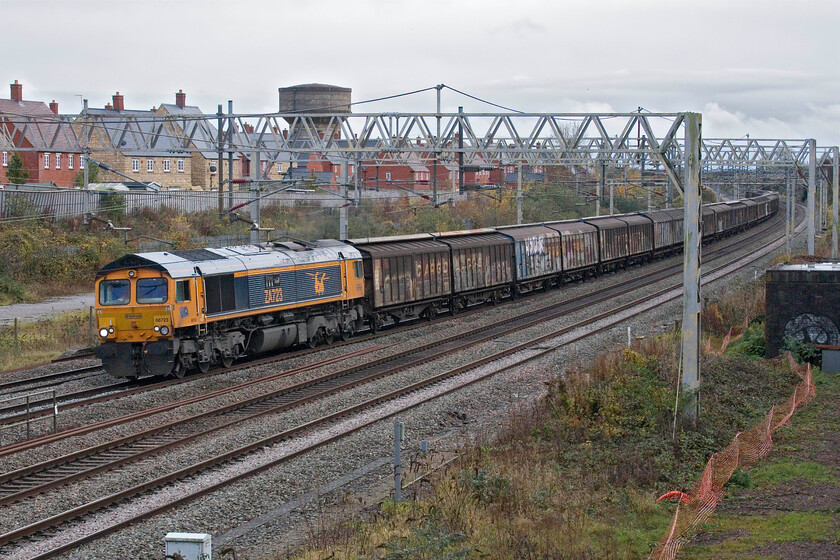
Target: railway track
37, 408
542, 313
395, 363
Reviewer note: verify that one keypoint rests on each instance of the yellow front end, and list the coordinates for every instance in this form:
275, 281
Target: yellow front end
134, 321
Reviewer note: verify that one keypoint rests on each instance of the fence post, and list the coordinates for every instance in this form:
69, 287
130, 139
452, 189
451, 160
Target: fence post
91, 336
398, 437
27, 416
16, 333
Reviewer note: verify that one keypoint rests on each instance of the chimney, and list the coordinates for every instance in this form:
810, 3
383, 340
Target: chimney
109, 106
119, 102
181, 99
275, 129
286, 133
54, 107
17, 91
249, 128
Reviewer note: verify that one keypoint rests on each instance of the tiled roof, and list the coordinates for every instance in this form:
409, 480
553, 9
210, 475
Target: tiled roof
47, 131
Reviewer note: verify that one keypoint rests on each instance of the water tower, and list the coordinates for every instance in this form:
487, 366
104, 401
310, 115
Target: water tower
315, 98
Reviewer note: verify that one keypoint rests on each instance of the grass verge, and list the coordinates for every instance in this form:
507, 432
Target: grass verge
40, 341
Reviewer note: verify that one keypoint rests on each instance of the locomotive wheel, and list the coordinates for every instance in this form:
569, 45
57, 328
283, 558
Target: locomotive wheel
227, 361
179, 370
347, 333
329, 339
204, 367
317, 339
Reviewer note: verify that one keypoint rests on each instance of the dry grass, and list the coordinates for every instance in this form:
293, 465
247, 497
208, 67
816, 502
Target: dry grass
40, 341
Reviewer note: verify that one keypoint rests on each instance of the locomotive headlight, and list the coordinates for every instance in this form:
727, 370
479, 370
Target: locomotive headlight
164, 330
157, 328
111, 330
103, 332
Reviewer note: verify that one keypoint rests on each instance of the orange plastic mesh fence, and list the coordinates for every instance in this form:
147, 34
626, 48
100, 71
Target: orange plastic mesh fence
734, 334
695, 507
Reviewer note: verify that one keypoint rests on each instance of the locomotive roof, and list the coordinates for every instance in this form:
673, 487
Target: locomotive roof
195, 262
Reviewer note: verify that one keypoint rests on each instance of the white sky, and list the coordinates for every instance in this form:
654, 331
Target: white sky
764, 67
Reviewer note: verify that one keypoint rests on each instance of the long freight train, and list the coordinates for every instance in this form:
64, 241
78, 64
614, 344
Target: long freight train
166, 313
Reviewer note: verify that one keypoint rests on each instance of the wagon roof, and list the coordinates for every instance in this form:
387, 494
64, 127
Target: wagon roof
569, 227
660, 216
519, 233
634, 219
475, 238
606, 222
421, 244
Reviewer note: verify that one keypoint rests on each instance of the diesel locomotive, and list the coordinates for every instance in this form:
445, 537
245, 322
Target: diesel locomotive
166, 313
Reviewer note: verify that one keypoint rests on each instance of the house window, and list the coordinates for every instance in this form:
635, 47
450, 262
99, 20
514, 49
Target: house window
69, 161
166, 166
180, 166
150, 165
387, 175
5, 159
58, 161
82, 162
135, 164
46, 161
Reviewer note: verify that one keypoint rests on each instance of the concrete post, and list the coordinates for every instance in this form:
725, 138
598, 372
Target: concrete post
398, 437
835, 186
601, 180
255, 193
342, 212
812, 192
519, 195
221, 159
788, 205
691, 268
230, 155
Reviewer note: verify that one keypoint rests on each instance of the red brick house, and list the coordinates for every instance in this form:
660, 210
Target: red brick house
58, 165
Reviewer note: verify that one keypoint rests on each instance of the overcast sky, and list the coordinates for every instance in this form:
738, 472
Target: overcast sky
766, 68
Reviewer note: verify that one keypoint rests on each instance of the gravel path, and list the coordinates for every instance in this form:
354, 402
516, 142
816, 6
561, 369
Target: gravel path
35, 311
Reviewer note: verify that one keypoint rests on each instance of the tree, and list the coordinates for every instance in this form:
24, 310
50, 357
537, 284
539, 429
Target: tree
16, 172
93, 176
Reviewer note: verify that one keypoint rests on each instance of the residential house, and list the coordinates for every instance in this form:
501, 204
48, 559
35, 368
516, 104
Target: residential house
119, 143
204, 137
56, 157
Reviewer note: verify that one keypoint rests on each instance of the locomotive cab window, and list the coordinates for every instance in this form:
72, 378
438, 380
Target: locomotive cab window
151, 290
114, 292
357, 267
182, 291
